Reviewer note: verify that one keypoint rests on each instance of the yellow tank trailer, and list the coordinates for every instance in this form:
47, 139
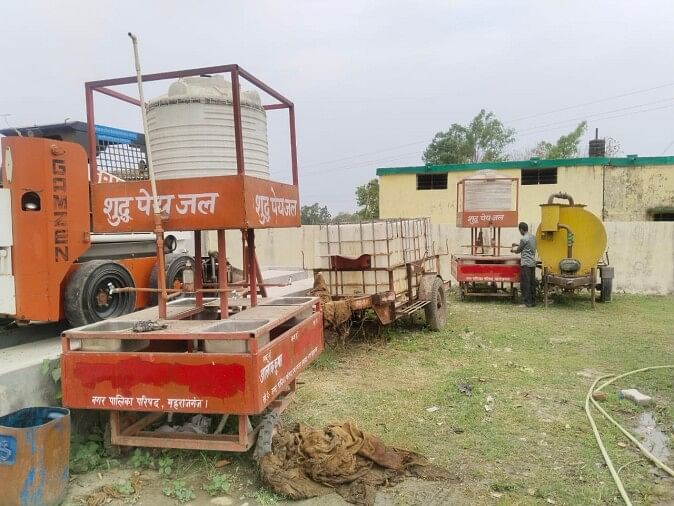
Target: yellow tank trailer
571, 242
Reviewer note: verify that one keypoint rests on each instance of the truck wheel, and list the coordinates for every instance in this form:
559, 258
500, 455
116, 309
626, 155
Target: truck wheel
87, 294
606, 289
175, 265
436, 309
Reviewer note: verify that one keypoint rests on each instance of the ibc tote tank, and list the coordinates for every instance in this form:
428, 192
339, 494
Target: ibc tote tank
191, 130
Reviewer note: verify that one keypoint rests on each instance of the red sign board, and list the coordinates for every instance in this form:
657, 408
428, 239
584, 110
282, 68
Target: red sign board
204, 203
485, 219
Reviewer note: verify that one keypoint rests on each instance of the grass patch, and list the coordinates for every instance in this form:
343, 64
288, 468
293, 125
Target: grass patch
536, 365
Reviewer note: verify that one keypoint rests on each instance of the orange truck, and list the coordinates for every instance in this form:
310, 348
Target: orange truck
51, 266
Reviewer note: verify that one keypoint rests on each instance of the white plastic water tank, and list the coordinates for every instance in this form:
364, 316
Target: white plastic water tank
192, 130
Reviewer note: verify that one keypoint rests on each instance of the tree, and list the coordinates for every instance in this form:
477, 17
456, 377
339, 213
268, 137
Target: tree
483, 140
346, 218
367, 197
565, 147
315, 215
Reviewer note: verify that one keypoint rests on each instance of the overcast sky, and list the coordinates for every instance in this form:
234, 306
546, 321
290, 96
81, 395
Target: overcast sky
372, 81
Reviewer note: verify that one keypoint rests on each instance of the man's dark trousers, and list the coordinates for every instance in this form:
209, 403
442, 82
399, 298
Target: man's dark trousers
528, 285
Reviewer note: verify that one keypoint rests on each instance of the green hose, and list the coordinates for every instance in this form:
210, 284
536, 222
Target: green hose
609, 463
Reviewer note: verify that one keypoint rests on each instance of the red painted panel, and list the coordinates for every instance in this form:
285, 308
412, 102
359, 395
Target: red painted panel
243, 383
209, 380
486, 272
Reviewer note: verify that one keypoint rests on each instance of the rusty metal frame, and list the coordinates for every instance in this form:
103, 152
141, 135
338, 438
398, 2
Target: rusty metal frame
388, 306
136, 435
570, 284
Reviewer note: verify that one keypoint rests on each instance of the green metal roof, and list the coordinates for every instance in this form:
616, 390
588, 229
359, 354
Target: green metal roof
628, 161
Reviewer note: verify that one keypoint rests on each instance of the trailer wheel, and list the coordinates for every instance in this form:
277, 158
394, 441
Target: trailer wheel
174, 265
436, 309
605, 289
87, 294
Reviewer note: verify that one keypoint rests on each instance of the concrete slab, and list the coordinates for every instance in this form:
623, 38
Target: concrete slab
283, 275
22, 384
297, 288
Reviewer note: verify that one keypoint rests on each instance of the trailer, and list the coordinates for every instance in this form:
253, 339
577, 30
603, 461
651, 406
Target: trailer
388, 266
571, 245
486, 203
224, 349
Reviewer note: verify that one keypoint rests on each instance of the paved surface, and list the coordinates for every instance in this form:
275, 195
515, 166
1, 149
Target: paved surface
22, 383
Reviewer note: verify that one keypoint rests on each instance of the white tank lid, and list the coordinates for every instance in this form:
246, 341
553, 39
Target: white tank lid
212, 89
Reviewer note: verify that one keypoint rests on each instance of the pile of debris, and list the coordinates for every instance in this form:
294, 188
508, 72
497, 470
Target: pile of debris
308, 462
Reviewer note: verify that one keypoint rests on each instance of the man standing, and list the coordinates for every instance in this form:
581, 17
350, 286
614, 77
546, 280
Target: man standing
527, 249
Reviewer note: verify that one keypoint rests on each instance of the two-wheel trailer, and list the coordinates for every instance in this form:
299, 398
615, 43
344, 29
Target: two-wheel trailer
388, 266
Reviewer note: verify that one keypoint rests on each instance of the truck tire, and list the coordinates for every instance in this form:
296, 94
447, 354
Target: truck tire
605, 289
87, 297
436, 309
175, 265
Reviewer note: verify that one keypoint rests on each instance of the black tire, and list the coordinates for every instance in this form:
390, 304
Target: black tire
606, 290
265, 435
436, 309
513, 293
87, 299
175, 265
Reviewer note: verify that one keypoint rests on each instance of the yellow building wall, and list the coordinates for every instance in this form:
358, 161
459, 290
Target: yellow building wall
630, 191
399, 197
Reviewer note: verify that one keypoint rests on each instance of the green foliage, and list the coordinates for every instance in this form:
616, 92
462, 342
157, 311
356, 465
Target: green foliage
219, 484
266, 498
315, 214
86, 455
165, 468
346, 218
367, 197
124, 487
52, 367
179, 491
141, 459
565, 147
484, 139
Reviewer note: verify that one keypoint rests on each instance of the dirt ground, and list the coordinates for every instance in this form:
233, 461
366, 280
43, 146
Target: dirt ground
411, 492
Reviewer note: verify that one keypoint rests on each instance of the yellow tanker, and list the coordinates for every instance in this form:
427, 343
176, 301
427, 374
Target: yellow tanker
571, 241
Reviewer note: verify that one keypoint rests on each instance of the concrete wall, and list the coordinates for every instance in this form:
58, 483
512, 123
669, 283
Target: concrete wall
282, 247
641, 252
620, 193
630, 192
